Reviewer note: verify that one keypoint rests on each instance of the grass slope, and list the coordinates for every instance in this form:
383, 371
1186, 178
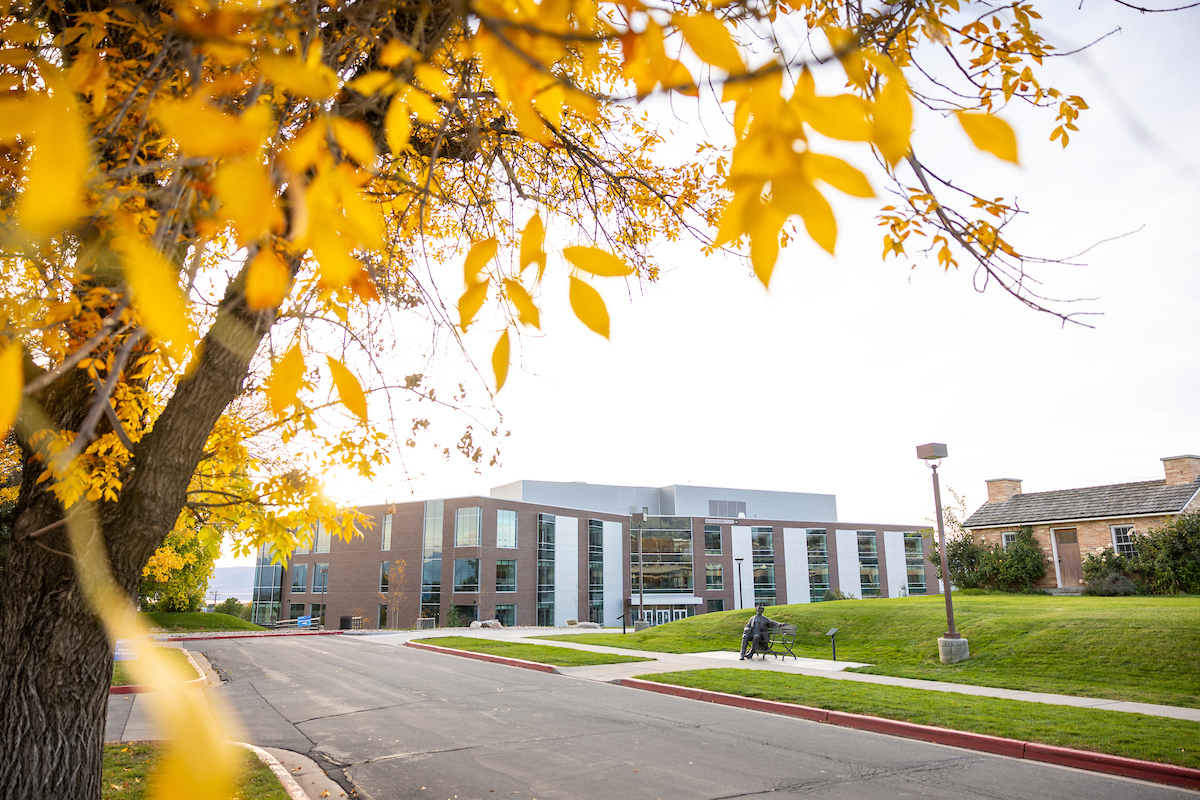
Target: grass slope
128, 774
1159, 739
123, 677
1124, 648
195, 621
542, 654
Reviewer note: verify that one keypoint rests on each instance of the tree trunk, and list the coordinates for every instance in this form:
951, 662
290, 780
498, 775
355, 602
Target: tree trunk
55, 658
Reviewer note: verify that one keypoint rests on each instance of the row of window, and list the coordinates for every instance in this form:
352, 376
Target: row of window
1122, 539
320, 578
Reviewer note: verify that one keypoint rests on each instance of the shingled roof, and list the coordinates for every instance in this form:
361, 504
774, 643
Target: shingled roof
1092, 502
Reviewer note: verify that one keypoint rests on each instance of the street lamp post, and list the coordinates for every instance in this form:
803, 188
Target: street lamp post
952, 648
738, 598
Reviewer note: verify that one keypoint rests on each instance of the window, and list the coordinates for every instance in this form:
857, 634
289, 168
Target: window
716, 605
727, 508
712, 540
1008, 537
764, 583
818, 564
506, 528
506, 614
914, 562
383, 576
762, 541
295, 610
666, 556
302, 546
506, 575
466, 527
545, 569
868, 564
1123, 540
712, 577
317, 612
595, 571
320, 578
466, 574
299, 578
321, 537
382, 622
386, 534
762, 552
466, 614
431, 559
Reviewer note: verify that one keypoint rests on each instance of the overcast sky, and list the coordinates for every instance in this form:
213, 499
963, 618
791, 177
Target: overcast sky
827, 382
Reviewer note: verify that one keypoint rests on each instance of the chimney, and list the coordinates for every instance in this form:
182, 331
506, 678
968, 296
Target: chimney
1181, 469
1001, 490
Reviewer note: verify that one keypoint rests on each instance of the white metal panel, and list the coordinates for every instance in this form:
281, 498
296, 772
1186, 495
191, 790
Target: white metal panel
692, 501
897, 569
615, 565
740, 545
566, 570
849, 580
795, 564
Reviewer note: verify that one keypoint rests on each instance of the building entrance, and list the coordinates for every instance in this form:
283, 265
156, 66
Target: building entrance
661, 615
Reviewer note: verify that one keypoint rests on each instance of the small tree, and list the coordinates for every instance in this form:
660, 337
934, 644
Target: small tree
231, 606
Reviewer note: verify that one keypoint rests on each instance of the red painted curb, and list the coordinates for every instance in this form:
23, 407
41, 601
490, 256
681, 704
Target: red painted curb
512, 662
1170, 774
138, 688
250, 636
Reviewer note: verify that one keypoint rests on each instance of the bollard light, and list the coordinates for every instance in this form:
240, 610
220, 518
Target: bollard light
832, 634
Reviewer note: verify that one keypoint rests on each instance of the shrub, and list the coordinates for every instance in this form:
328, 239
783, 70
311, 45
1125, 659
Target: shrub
230, 605
1165, 561
982, 566
1112, 585
836, 594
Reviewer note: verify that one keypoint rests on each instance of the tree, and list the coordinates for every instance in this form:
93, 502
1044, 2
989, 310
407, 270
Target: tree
199, 201
177, 575
231, 606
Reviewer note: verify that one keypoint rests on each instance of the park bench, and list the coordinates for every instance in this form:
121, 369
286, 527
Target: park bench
779, 643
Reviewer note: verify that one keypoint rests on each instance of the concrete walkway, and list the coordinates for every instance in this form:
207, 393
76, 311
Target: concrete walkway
815, 667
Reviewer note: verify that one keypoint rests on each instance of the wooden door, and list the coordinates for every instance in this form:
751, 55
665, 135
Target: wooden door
1070, 568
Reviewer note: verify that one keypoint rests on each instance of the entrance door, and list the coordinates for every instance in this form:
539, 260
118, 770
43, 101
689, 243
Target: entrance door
1070, 569
679, 613
662, 616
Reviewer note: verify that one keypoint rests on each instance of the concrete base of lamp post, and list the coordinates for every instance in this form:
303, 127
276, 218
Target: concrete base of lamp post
640, 625
953, 651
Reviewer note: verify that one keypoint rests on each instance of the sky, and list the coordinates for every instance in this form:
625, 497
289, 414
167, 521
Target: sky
829, 380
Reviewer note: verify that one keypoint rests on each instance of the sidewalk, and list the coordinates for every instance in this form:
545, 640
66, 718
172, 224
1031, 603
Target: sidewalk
814, 667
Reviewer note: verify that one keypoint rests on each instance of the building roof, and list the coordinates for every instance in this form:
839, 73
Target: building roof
1092, 502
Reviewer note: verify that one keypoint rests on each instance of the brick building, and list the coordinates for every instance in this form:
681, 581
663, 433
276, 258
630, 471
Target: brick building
541, 553
1070, 522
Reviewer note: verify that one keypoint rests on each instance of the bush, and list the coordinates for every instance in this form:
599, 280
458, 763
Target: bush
1112, 585
982, 566
836, 594
230, 605
1165, 561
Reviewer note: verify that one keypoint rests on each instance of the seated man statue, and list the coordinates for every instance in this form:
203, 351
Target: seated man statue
756, 632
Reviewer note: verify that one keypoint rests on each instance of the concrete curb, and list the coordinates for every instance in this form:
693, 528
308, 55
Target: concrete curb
249, 636
289, 783
512, 662
1063, 756
138, 688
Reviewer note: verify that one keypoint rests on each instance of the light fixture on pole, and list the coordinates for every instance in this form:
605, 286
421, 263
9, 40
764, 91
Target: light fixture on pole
952, 648
738, 598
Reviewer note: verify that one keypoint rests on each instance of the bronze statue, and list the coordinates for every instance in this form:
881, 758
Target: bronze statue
756, 632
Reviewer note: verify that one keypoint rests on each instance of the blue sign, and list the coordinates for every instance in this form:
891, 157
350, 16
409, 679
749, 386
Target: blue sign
126, 650
303, 622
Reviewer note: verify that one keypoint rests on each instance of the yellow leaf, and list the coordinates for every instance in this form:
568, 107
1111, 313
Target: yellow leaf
838, 174
709, 38
370, 83
596, 261
313, 80
842, 116
204, 131
527, 310
396, 51
55, 174
267, 281
588, 305
477, 258
349, 389
531, 243
500, 360
12, 381
423, 106
798, 197
248, 198
355, 140
470, 303
397, 126
156, 293
764, 225
338, 267
990, 133
893, 118
432, 80
303, 151
550, 102
286, 380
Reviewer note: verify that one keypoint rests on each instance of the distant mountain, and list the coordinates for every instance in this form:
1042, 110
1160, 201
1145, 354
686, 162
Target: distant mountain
232, 582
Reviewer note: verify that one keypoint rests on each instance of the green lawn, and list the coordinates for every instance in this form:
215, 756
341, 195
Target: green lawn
195, 621
1133, 735
1124, 648
122, 677
128, 767
541, 653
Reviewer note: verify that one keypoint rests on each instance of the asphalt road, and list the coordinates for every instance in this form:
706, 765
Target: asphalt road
391, 722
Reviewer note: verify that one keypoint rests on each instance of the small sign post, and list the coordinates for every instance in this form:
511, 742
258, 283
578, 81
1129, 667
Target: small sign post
127, 650
303, 622
832, 634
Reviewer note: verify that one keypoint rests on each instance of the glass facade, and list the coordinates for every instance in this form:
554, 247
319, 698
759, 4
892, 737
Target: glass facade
431, 560
712, 540
299, 578
716, 604
268, 587
466, 574
317, 612
320, 578
385, 534
506, 614
321, 538
383, 576
381, 622
914, 562
595, 571
466, 527
506, 575
712, 577
295, 610
868, 563
762, 551
666, 554
818, 564
506, 528
545, 577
